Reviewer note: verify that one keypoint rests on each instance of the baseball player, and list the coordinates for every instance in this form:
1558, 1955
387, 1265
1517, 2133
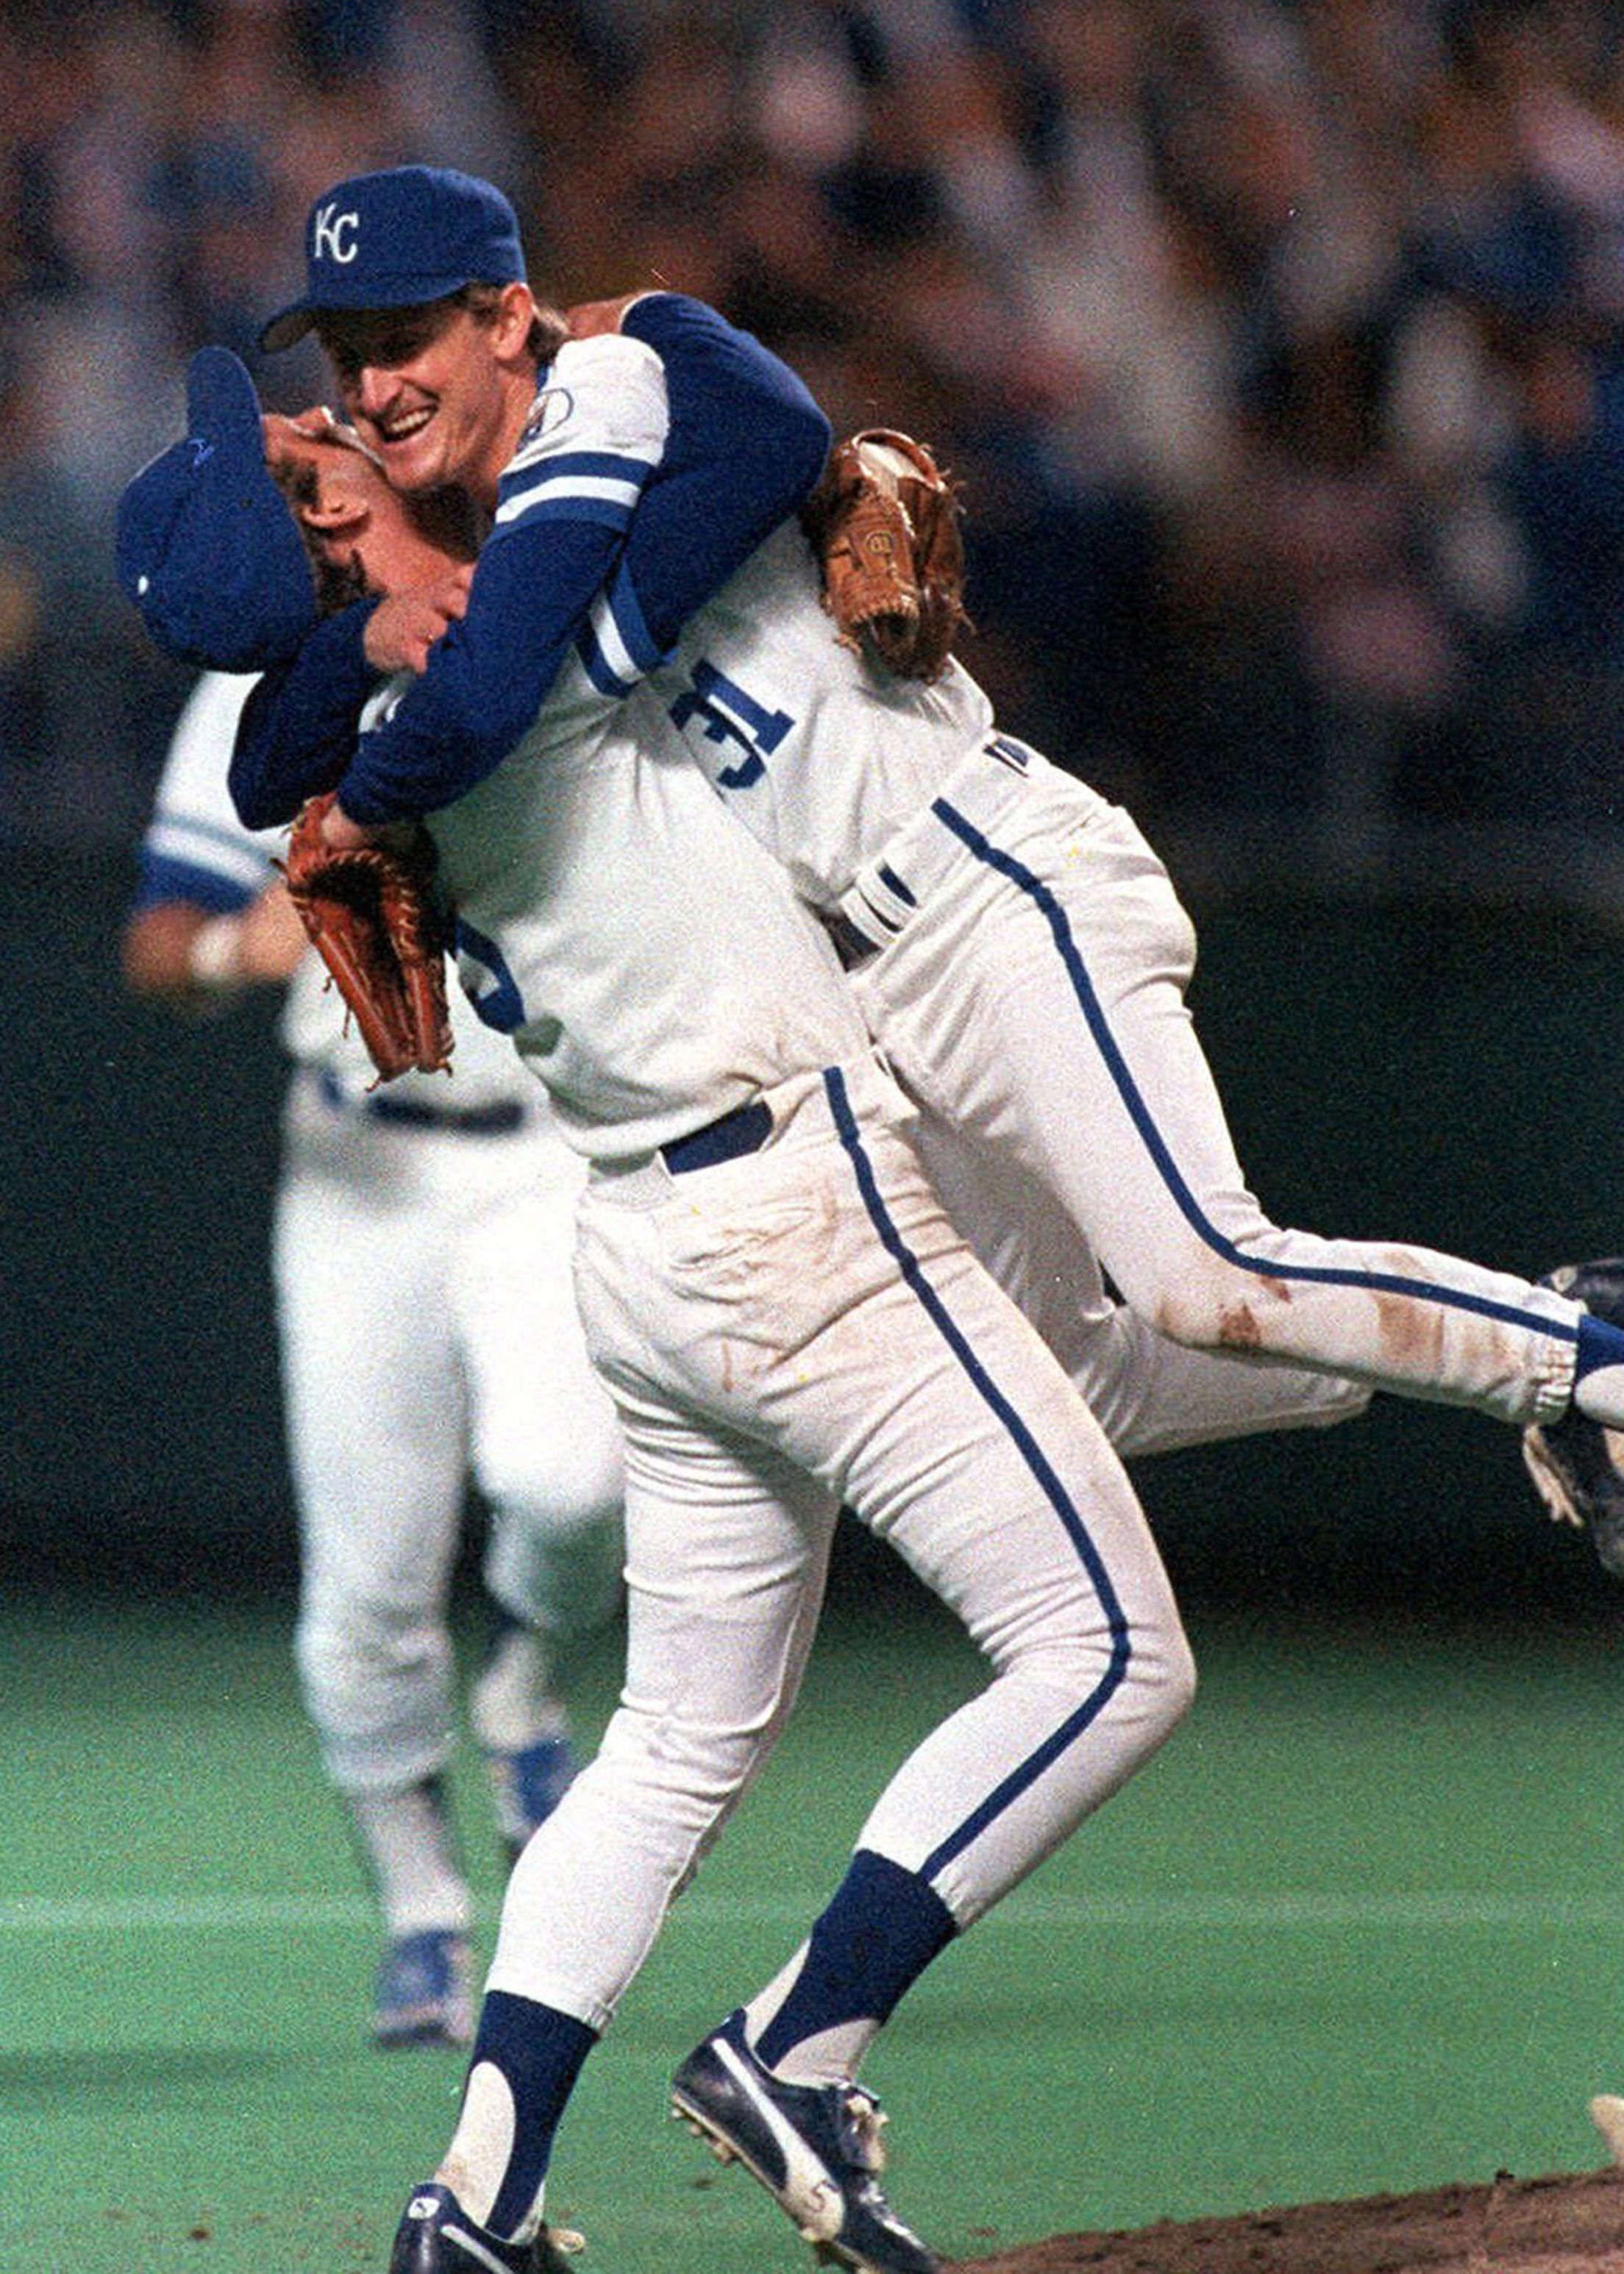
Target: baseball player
428, 1328
1035, 1009
1022, 960
789, 1323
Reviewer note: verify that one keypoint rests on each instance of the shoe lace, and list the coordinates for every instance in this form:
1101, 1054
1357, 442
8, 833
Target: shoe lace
565, 2240
862, 2121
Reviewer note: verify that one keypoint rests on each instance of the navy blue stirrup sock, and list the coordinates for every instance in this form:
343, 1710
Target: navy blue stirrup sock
881, 1929
539, 2051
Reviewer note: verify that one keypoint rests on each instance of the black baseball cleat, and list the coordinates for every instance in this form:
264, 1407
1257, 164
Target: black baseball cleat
436, 2236
1578, 1464
816, 2149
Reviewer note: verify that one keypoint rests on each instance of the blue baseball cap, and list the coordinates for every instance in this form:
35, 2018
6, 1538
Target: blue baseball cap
207, 547
397, 239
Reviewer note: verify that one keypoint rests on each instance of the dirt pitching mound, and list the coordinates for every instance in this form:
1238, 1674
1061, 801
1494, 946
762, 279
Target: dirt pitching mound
1567, 2225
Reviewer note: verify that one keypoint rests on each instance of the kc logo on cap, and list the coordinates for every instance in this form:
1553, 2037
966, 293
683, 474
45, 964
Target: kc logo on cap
332, 233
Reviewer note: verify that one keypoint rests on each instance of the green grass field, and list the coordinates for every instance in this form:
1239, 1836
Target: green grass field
1360, 1927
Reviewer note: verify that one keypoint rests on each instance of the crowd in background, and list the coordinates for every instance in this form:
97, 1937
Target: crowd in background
1275, 343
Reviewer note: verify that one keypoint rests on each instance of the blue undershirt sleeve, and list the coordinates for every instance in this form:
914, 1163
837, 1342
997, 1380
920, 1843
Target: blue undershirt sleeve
298, 727
487, 676
748, 441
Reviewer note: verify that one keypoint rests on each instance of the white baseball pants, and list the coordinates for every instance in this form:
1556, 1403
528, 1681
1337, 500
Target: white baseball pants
1034, 999
1149, 1394
784, 1333
428, 1330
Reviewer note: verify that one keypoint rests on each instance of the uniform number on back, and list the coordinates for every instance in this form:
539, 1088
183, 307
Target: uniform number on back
730, 715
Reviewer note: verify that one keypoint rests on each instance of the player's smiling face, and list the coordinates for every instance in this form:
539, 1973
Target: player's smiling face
436, 391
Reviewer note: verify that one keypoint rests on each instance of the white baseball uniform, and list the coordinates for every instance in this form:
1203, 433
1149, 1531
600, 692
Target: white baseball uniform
788, 1321
1021, 958
422, 1245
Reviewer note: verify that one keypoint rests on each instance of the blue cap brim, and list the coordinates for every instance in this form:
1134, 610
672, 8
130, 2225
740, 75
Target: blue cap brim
287, 329
220, 402
420, 289
207, 547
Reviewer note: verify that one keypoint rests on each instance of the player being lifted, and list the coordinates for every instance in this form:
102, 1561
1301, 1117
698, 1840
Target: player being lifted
1018, 948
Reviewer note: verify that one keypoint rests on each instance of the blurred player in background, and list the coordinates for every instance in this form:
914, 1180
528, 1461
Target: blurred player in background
428, 1330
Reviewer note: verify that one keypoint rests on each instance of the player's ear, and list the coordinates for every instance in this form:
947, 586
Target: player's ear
334, 512
510, 326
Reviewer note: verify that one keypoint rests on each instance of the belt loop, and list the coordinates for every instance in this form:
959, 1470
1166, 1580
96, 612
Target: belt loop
869, 914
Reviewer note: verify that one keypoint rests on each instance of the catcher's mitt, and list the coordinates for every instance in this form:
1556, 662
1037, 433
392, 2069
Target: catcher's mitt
370, 912
883, 522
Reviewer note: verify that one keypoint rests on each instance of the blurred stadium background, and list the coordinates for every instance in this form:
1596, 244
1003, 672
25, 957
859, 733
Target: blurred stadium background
1277, 345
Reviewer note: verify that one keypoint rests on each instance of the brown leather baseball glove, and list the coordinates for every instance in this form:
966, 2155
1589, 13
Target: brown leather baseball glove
371, 914
884, 524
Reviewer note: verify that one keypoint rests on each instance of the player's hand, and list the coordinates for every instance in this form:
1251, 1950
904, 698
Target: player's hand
288, 433
270, 938
338, 830
344, 835
403, 628
283, 435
